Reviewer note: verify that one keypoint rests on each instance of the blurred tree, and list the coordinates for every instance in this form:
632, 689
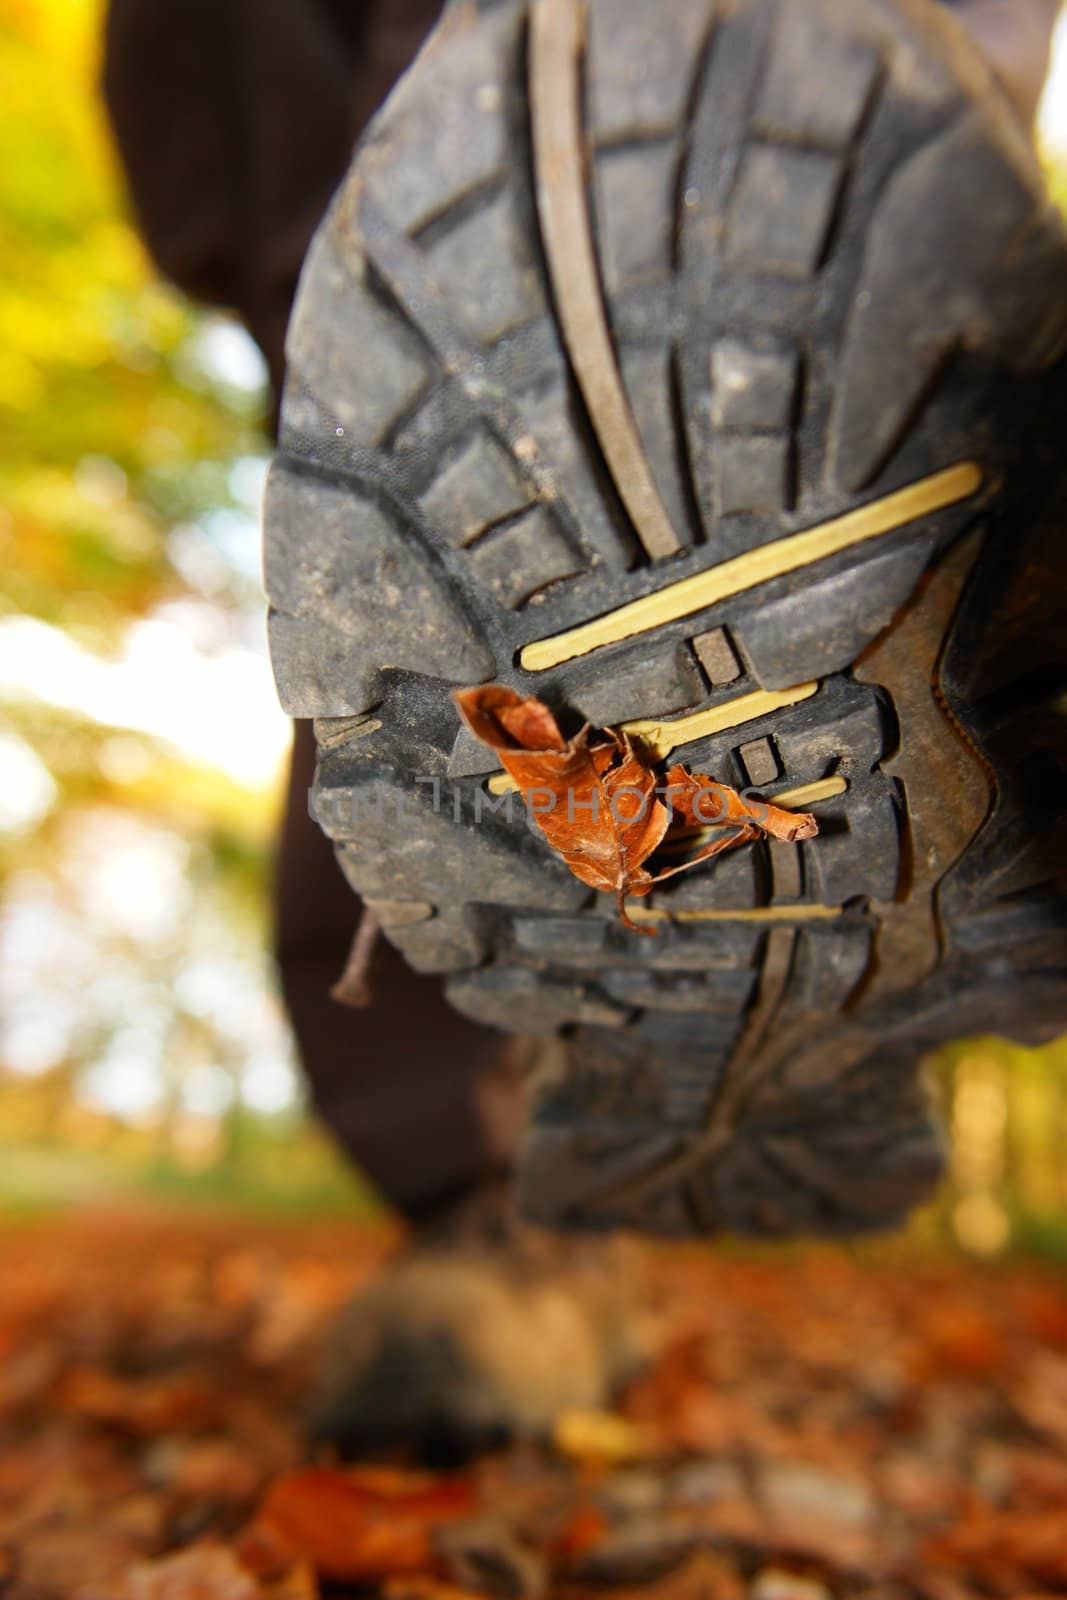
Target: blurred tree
134, 844
117, 420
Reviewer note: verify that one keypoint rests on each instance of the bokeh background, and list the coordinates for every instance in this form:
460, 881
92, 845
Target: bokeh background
143, 1048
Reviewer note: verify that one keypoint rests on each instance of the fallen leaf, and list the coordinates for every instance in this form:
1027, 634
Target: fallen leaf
1040, 1397
1007, 1549
205, 1572
217, 1471
354, 1526
1035, 1478
600, 801
427, 1589
484, 1553
1044, 1312
703, 1577
776, 1585
821, 1516
595, 803
698, 802
82, 1562
299, 1583
640, 1551
598, 1436
584, 1529
960, 1342
167, 1405
26, 1377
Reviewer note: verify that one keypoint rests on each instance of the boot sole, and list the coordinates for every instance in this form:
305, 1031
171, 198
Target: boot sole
696, 369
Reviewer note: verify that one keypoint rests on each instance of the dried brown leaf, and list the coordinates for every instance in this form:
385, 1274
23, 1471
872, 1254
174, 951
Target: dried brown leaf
595, 802
205, 1572
427, 1589
600, 801
356, 1525
1009, 1550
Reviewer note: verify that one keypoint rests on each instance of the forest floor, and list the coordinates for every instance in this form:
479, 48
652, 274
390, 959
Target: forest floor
821, 1425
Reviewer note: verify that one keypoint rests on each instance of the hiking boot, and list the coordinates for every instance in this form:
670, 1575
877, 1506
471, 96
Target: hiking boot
697, 369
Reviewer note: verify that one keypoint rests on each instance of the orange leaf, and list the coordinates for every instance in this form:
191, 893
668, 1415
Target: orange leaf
1006, 1548
427, 1589
587, 1528
597, 797
354, 1526
204, 1572
698, 802
595, 803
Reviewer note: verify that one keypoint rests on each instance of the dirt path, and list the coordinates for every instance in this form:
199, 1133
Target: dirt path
817, 1426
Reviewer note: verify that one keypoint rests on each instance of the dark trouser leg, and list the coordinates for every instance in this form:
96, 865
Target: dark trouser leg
426, 1102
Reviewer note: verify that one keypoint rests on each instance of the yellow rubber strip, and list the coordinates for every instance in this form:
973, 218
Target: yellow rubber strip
758, 566
799, 913
660, 737
809, 794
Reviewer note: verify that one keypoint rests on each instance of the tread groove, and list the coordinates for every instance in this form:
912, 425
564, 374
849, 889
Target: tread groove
555, 54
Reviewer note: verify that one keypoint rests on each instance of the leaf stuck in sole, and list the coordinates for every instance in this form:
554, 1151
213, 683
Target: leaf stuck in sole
605, 804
